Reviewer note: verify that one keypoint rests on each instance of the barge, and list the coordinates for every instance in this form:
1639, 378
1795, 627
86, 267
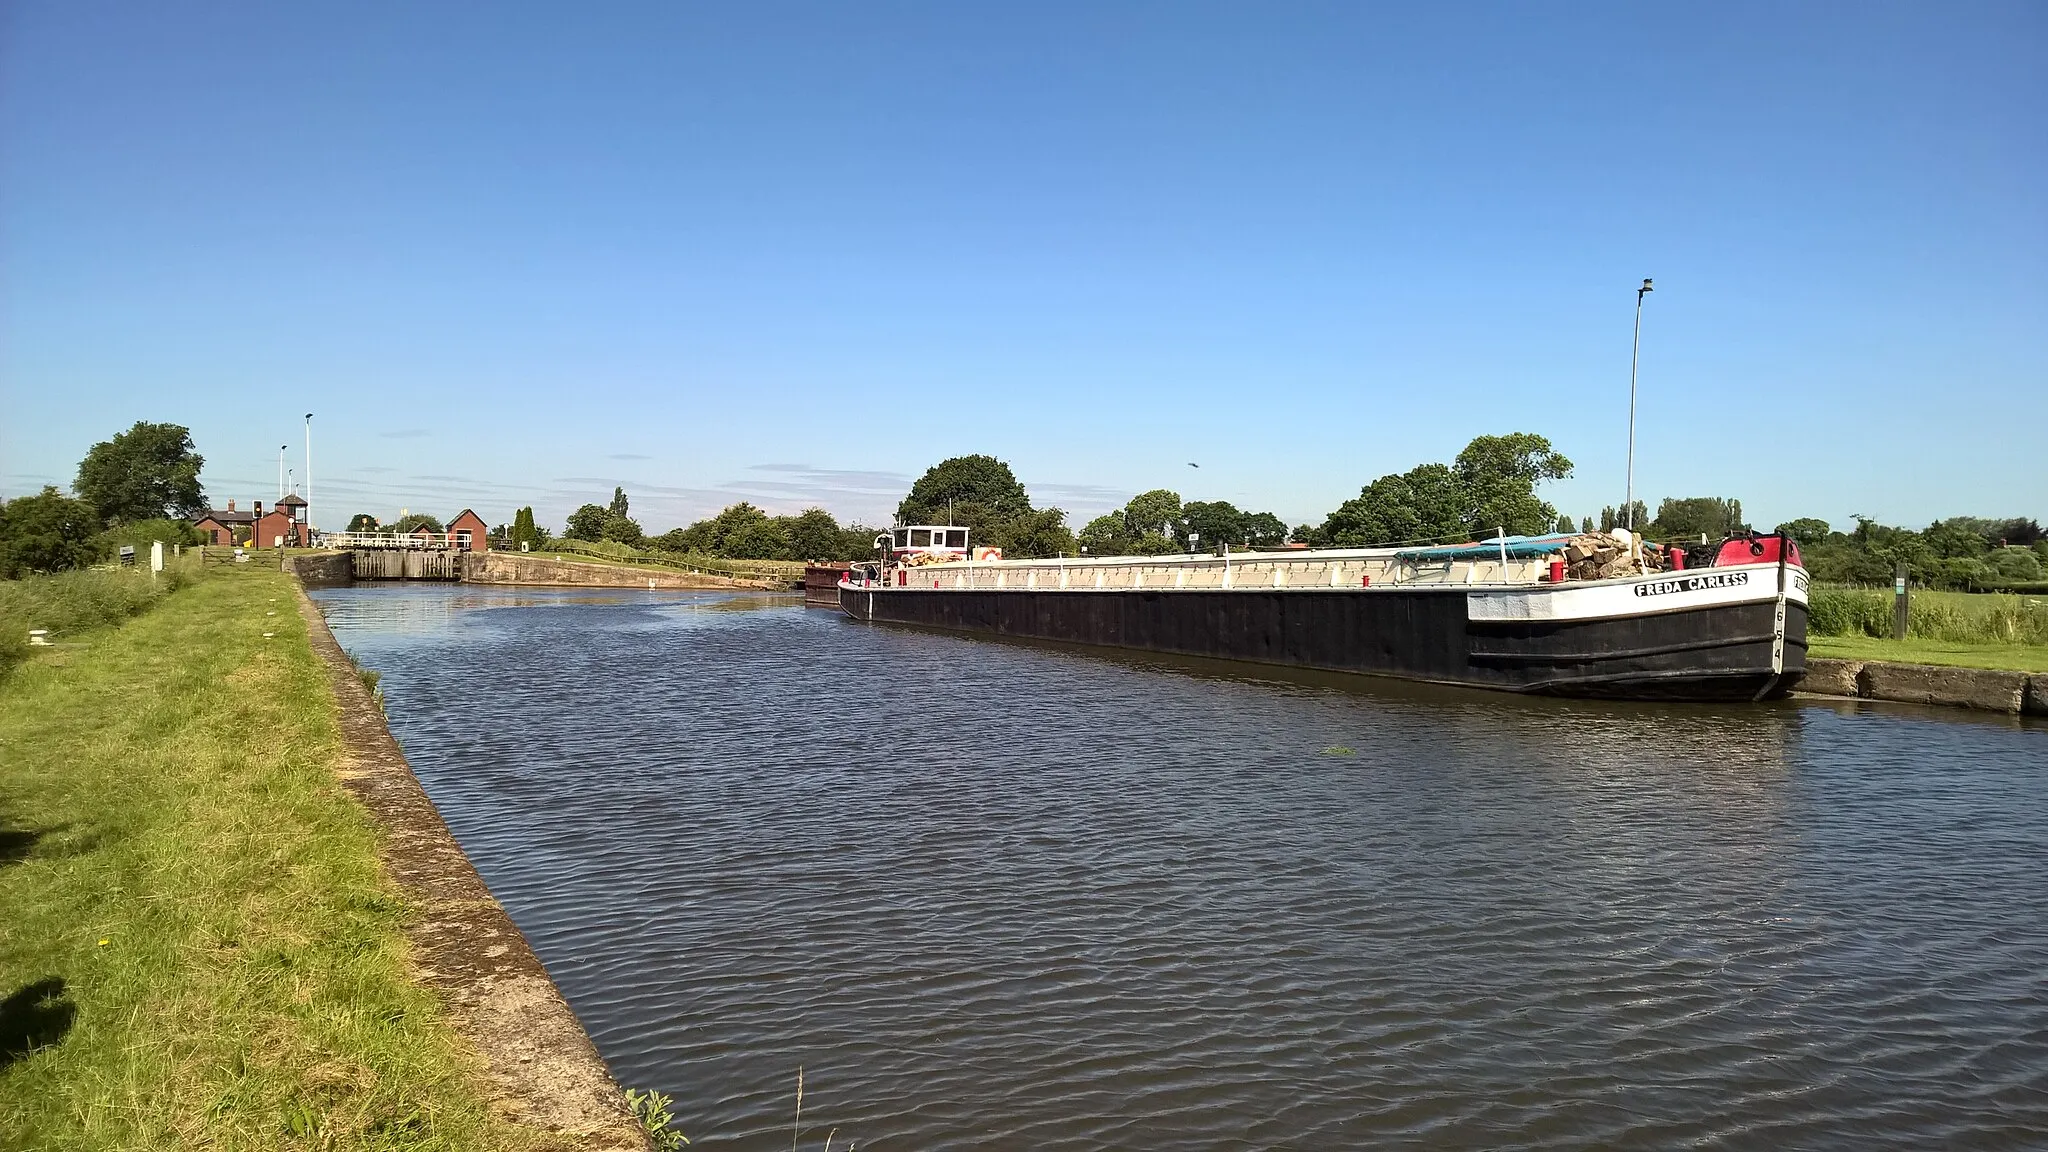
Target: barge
1503, 614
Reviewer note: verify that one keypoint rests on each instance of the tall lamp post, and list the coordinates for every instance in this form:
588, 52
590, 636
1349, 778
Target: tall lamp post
280, 470
1628, 501
309, 473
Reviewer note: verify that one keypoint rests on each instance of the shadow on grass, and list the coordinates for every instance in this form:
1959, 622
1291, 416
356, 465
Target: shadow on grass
16, 844
34, 1016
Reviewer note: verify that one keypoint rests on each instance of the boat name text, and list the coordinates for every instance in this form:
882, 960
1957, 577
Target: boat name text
1693, 583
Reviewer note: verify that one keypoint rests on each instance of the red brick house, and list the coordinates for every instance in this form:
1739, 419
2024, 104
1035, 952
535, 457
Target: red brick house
281, 526
469, 532
227, 526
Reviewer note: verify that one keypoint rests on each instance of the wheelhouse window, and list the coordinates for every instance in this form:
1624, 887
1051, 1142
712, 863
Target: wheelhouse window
920, 537
903, 537
956, 537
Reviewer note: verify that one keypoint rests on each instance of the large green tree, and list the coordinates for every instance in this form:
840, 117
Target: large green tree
149, 472
46, 532
1692, 516
362, 522
813, 535
1425, 504
1156, 512
586, 523
980, 486
1499, 475
1212, 523
1264, 530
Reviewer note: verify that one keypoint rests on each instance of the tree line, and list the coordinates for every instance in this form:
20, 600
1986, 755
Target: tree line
140, 486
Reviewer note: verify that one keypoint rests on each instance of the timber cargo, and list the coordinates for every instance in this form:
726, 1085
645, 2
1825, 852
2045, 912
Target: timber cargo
1556, 615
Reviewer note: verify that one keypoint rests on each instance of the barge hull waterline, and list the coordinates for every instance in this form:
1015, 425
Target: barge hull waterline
1716, 652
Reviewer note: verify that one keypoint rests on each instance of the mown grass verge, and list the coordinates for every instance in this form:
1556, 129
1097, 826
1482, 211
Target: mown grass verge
200, 950
67, 604
2005, 657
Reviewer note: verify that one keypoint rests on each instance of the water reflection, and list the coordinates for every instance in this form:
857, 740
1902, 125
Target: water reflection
1020, 895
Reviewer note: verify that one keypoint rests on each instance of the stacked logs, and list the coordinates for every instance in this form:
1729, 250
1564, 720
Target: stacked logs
1606, 556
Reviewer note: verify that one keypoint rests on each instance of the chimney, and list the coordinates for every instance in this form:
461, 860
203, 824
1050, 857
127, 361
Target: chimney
231, 505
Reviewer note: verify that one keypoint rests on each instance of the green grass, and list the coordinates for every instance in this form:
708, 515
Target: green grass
68, 603
2009, 657
1950, 617
199, 949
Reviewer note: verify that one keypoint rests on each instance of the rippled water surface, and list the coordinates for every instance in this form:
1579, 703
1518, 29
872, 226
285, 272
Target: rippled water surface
994, 895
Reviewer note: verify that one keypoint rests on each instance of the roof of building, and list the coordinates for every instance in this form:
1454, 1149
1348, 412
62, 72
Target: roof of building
291, 500
466, 512
221, 516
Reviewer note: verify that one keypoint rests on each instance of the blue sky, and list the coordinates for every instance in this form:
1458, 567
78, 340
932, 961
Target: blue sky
796, 253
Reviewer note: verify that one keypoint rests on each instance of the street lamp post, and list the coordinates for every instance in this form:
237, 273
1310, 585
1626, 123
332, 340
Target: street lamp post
280, 471
1628, 501
309, 473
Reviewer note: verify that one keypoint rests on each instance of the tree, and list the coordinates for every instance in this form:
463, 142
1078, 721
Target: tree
1264, 530
813, 535
1307, 534
415, 521
1694, 516
1034, 533
1806, 531
46, 532
1564, 525
1612, 518
1156, 511
587, 523
524, 530
1106, 536
1423, 505
362, 522
1499, 475
619, 505
620, 528
2013, 562
149, 472
981, 486
1586, 524
1214, 522
761, 538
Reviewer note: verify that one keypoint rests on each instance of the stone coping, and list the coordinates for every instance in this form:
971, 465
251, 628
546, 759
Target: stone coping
1984, 689
543, 1071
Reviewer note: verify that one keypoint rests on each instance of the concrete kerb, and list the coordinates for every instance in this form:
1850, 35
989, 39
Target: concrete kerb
542, 1067
1983, 689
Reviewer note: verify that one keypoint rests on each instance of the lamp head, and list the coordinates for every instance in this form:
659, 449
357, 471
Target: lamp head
1645, 288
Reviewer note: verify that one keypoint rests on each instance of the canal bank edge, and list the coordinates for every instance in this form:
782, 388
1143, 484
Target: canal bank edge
1984, 689
513, 568
538, 1058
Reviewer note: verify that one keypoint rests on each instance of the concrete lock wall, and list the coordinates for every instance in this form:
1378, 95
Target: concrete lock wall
515, 568
1984, 689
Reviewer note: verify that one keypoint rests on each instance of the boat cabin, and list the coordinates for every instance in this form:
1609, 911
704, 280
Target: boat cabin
930, 539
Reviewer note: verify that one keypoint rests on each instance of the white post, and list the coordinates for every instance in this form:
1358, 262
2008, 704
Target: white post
1502, 533
156, 556
280, 471
309, 473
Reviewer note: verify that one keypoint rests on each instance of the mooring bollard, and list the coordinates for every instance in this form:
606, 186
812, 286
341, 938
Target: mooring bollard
1899, 602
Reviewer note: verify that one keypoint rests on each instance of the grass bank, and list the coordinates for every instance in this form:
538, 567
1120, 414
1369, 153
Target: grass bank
68, 604
2006, 657
1948, 617
200, 950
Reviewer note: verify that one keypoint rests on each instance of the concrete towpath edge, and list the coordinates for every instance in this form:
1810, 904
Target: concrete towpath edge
1983, 689
542, 1068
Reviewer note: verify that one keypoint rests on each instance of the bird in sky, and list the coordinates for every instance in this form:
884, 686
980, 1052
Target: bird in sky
1192, 464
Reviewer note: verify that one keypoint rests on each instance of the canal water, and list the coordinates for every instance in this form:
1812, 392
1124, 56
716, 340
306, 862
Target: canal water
993, 895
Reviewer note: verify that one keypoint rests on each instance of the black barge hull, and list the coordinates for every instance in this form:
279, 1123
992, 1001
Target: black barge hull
1722, 652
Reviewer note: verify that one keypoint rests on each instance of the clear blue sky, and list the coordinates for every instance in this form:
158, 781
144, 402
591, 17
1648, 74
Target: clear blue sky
515, 254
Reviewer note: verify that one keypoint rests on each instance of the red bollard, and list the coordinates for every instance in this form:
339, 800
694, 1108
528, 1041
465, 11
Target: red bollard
1365, 581
1557, 571
1677, 555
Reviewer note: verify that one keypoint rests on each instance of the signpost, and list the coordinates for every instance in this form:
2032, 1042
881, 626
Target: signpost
1899, 602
